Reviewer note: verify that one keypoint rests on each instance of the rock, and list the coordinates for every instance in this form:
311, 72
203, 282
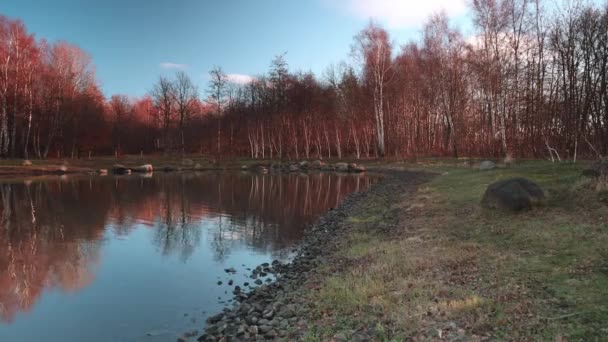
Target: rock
191, 333
146, 168
317, 164
119, 169
352, 167
294, 168
198, 166
597, 169
102, 172
26, 163
216, 318
253, 330
340, 337
157, 332
304, 164
262, 169
62, 170
487, 165
187, 162
264, 328
245, 167
230, 270
341, 167
513, 194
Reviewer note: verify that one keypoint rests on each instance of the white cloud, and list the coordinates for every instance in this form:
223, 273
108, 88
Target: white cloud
398, 14
173, 66
240, 78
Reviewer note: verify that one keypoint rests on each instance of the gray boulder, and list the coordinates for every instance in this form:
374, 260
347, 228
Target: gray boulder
597, 169
317, 164
487, 165
294, 168
119, 169
342, 167
146, 168
304, 164
515, 194
352, 167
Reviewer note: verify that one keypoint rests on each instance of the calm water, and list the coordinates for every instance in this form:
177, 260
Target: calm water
138, 258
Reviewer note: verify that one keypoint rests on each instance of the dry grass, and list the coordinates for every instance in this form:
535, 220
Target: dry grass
451, 270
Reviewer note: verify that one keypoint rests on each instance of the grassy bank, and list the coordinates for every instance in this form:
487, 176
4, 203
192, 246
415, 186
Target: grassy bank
436, 266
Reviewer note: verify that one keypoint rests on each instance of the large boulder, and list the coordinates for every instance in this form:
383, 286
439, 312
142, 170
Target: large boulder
352, 167
62, 170
597, 169
119, 169
513, 194
487, 165
342, 167
317, 164
304, 164
294, 168
146, 168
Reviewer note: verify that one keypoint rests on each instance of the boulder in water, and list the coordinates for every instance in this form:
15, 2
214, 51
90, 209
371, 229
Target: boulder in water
146, 168
342, 167
352, 167
515, 194
119, 169
317, 164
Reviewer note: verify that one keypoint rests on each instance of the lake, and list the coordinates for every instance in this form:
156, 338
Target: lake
140, 258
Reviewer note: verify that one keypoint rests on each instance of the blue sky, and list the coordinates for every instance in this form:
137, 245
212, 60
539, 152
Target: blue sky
132, 42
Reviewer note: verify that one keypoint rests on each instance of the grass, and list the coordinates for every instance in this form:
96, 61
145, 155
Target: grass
452, 270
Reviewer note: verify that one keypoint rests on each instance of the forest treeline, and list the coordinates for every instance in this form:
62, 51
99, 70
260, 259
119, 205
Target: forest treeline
531, 82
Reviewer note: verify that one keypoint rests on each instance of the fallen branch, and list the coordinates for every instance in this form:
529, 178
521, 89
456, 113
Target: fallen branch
551, 151
592, 147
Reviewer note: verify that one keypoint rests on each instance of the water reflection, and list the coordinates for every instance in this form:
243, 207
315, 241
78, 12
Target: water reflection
54, 234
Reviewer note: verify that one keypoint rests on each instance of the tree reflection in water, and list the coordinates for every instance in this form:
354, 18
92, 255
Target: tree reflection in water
52, 231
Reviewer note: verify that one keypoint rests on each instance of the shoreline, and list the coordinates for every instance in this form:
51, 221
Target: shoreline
15, 169
278, 311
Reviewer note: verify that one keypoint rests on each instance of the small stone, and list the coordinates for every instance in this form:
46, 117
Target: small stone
340, 337
265, 328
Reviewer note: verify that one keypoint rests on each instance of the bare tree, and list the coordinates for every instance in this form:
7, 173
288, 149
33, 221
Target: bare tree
218, 85
163, 94
186, 95
373, 47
